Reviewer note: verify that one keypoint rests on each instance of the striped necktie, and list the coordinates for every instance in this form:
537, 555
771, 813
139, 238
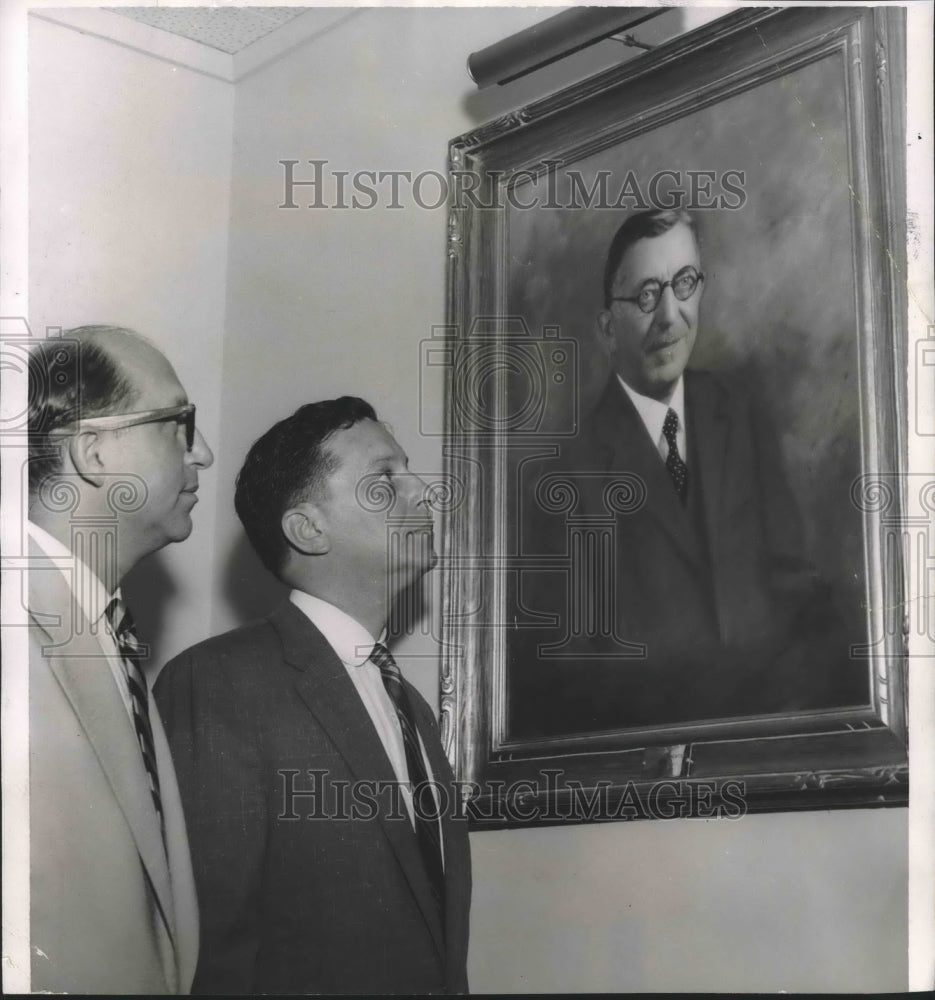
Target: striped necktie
674, 463
121, 621
424, 804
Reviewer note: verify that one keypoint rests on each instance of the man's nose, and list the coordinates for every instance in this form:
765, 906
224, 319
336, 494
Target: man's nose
201, 455
667, 309
419, 492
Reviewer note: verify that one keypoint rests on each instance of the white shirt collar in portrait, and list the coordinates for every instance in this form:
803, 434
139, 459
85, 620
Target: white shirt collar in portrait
653, 414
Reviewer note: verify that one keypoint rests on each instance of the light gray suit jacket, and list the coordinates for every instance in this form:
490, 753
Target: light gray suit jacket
111, 909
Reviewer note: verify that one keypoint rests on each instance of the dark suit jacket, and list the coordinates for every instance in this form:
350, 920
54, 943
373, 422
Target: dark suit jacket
292, 904
720, 591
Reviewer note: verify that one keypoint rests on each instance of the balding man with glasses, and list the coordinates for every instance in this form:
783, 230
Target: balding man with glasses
114, 457
708, 605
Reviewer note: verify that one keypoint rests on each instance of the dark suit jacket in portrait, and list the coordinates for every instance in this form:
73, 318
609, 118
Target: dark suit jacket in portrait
719, 590
292, 904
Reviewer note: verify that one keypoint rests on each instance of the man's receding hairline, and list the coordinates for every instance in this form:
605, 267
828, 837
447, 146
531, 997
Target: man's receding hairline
329, 455
106, 339
688, 224
684, 223
332, 460
103, 335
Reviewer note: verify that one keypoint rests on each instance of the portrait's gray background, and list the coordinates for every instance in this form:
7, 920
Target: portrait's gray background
153, 194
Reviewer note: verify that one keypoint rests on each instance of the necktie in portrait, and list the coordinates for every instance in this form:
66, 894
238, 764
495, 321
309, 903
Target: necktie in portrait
674, 464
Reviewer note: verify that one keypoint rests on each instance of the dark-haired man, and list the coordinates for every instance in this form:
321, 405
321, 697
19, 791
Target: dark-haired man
711, 606
329, 853
113, 476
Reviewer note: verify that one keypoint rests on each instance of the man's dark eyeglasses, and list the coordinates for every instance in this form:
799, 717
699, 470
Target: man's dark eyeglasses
683, 287
183, 415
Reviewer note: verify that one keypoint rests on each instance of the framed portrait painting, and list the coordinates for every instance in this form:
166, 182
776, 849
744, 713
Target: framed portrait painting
675, 339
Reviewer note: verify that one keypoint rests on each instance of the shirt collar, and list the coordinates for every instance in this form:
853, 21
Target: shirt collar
346, 636
93, 597
653, 413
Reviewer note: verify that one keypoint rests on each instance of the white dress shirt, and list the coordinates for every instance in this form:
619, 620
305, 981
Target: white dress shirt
91, 597
353, 645
653, 414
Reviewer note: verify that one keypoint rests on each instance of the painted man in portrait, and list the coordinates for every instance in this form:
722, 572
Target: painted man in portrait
705, 603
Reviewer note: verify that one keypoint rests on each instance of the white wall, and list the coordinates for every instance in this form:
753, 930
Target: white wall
347, 296
129, 191
131, 161
785, 902
323, 302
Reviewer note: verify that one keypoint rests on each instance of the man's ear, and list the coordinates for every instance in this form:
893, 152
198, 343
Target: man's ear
84, 451
305, 529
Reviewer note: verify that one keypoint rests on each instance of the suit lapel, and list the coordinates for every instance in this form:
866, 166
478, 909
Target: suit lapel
179, 857
330, 695
627, 448
82, 669
710, 442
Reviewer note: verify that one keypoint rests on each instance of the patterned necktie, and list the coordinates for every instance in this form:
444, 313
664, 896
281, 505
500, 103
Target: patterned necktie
121, 621
674, 463
424, 805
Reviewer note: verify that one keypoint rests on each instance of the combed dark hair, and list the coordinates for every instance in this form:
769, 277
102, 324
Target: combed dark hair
287, 465
71, 378
637, 227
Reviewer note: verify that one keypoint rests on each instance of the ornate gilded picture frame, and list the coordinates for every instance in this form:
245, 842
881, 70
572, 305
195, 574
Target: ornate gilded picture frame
587, 674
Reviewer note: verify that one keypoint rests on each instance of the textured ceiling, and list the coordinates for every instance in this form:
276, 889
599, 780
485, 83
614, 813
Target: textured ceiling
229, 29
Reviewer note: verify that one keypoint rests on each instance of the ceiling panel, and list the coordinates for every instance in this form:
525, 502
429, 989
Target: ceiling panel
229, 29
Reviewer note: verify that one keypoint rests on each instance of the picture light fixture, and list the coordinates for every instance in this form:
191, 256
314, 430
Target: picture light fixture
553, 39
